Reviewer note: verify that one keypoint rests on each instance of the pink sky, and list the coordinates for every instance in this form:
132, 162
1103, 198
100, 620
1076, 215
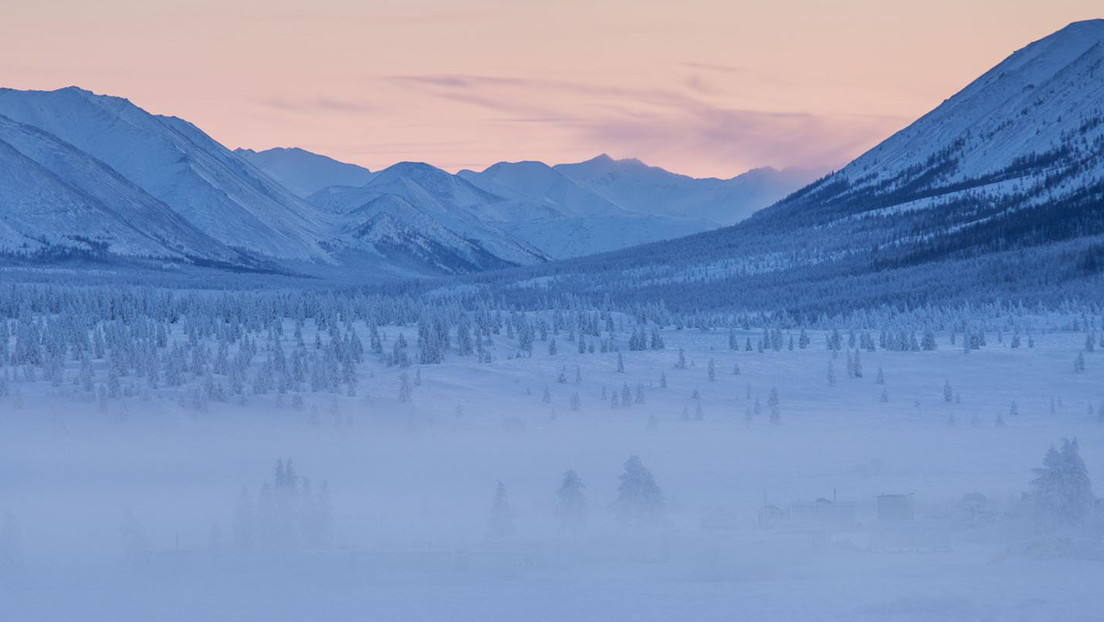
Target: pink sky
696, 86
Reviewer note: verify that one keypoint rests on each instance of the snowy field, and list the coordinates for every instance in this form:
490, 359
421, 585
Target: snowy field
133, 508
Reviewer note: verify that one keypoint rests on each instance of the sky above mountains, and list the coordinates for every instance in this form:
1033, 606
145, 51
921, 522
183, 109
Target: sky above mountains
702, 87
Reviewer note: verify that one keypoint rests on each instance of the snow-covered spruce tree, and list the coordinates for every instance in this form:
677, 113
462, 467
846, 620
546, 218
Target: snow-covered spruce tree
620, 363
639, 500
244, 521
464, 345
712, 372
775, 406
135, 542
1061, 493
928, 342
1079, 363
405, 390
571, 505
500, 524
657, 340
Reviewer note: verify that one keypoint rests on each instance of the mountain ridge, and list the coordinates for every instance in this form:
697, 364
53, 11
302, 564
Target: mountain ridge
998, 191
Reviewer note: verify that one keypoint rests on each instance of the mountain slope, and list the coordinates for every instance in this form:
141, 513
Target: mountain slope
303, 172
392, 228
637, 187
552, 212
176, 163
998, 193
57, 201
444, 199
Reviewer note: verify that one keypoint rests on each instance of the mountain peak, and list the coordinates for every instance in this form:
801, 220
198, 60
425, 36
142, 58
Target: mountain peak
1088, 26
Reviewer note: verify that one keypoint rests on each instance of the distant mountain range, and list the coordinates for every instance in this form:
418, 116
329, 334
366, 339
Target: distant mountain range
526, 212
86, 177
998, 193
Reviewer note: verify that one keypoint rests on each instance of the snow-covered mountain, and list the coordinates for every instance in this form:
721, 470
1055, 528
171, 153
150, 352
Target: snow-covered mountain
180, 195
303, 172
1000, 190
444, 199
56, 201
176, 163
391, 228
637, 187
313, 214
553, 212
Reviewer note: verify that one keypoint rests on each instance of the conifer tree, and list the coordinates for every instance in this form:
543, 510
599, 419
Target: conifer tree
571, 505
501, 521
639, 500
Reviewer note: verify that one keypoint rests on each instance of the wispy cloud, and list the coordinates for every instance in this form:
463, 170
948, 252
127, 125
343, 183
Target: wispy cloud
321, 105
683, 123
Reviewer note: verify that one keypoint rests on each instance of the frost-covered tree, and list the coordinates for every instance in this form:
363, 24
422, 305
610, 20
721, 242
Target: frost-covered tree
571, 505
639, 500
243, 525
775, 406
135, 543
928, 342
405, 389
1061, 493
500, 524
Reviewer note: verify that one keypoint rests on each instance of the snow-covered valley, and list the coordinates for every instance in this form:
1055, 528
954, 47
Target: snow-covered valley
777, 482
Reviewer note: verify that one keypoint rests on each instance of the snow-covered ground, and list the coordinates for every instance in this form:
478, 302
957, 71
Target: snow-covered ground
128, 512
